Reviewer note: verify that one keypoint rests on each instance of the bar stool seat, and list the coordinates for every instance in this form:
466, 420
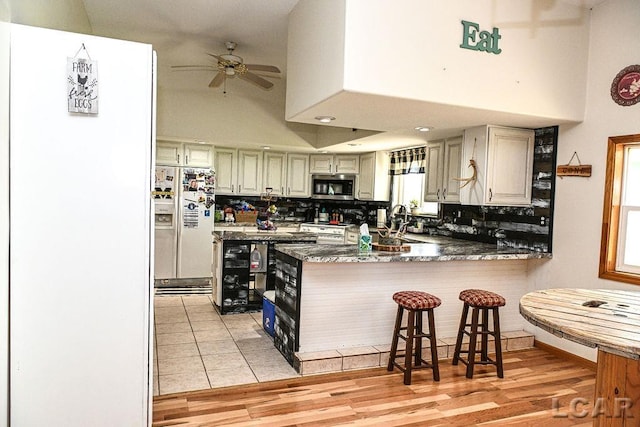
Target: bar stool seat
416, 303
480, 301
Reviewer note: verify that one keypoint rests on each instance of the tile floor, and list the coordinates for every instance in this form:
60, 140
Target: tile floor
196, 348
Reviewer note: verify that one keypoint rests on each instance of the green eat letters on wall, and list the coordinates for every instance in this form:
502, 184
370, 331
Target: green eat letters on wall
483, 41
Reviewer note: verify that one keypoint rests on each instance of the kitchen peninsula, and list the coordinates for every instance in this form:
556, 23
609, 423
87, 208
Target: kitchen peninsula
331, 297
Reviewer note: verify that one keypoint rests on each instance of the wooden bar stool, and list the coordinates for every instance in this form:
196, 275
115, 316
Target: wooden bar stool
481, 302
415, 302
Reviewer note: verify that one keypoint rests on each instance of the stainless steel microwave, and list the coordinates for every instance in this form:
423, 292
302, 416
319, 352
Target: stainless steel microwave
333, 187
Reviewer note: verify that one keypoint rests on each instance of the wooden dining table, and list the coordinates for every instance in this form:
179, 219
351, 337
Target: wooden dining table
608, 320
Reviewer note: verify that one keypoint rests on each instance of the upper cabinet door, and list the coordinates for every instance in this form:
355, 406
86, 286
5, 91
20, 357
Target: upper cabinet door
198, 155
346, 163
374, 179
168, 154
225, 167
452, 170
509, 166
275, 172
250, 172
335, 163
298, 178
433, 176
321, 163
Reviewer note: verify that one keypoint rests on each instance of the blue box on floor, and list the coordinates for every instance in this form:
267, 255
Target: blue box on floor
268, 311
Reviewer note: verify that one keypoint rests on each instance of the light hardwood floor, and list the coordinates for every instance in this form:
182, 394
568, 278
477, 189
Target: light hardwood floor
538, 389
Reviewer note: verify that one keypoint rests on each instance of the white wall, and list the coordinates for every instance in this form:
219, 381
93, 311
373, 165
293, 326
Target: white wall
578, 201
67, 15
410, 49
80, 235
315, 53
4, 218
230, 121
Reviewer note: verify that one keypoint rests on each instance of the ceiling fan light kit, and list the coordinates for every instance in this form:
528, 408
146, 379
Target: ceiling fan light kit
230, 65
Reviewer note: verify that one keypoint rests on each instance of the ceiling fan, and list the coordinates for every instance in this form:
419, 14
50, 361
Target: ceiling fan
230, 65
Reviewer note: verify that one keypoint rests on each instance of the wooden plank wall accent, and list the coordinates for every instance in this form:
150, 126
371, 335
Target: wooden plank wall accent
355, 306
508, 226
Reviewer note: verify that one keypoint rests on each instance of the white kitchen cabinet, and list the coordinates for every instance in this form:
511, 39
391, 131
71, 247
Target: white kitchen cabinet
225, 164
198, 155
444, 159
178, 154
238, 171
373, 182
168, 153
250, 172
334, 163
298, 178
275, 172
504, 158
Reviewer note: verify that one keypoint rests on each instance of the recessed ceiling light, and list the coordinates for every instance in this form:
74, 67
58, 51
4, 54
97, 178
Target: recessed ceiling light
353, 145
266, 147
423, 128
325, 119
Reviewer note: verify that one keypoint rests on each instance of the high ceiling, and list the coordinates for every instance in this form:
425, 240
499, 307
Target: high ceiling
183, 32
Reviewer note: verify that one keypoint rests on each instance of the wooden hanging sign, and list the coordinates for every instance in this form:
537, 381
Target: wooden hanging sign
574, 170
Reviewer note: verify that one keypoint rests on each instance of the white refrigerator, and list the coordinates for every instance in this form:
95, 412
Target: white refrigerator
81, 320
184, 216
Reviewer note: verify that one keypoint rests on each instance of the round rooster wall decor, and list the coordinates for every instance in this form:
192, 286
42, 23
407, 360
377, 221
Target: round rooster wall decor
625, 88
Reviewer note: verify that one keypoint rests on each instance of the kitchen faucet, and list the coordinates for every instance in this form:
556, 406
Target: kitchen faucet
402, 209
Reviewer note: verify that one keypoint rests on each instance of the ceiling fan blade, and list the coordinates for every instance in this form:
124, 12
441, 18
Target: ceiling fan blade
193, 67
266, 84
218, 79
258, 67
219, 58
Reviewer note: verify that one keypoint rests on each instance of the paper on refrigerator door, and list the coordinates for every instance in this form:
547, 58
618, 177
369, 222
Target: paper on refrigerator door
190, 214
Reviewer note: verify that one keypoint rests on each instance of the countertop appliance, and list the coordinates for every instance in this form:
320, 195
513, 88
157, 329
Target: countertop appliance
333, 187
184, 217
327, 233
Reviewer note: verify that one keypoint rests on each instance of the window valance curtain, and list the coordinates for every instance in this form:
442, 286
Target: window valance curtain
411, 160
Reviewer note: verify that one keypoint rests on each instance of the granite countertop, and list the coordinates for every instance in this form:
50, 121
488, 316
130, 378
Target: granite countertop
267, 236
431, 248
